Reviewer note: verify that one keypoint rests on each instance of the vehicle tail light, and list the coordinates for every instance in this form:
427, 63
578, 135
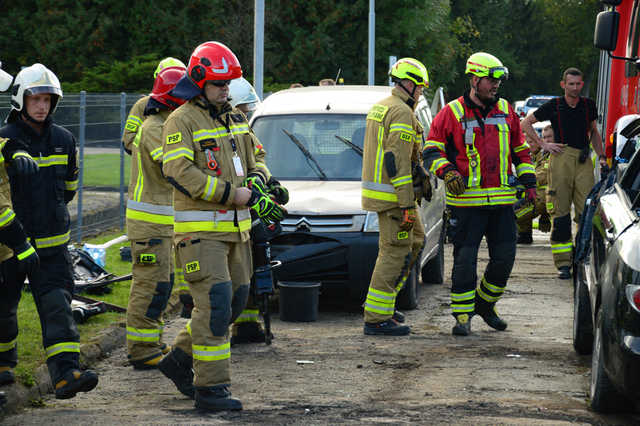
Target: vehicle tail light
633, 296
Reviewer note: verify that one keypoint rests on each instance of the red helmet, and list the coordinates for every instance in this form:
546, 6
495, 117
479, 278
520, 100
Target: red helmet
164, 83
213, 61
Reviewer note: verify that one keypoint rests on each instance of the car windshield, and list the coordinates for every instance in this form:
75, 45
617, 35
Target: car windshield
537, 102
326, 152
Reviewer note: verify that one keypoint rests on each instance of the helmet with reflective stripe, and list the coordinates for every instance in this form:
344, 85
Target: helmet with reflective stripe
164, 84
484, 64
213, 61
34, 80
410, 69
168, 62
242, 92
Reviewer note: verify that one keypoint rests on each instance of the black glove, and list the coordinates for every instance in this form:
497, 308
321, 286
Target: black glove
28, 260
187, 305
23, 164
267, 209
279, 192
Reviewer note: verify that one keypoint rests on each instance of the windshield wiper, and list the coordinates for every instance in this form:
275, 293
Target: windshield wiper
321, 174
350, 144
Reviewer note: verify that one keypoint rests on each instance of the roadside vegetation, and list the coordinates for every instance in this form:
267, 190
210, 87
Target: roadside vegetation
103, 170
30, 351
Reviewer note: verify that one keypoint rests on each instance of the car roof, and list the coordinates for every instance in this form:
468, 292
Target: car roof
323, 99
540, 96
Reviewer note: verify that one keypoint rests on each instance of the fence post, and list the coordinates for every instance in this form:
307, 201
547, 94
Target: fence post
81, 136
123, 119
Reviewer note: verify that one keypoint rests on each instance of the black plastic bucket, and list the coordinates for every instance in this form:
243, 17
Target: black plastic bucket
299, 300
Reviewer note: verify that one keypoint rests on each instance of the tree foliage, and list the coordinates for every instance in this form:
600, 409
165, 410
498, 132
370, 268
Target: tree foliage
114, 45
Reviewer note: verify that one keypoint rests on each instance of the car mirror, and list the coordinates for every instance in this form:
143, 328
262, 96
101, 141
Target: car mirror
606, 33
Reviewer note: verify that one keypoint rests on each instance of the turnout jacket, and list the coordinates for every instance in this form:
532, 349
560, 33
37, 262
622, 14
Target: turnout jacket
150, 204
482, 146
7, 216
541, 161
134, 121
392, 139
207, 153
40, 200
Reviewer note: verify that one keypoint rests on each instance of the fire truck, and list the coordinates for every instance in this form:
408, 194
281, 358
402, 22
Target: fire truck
617, 34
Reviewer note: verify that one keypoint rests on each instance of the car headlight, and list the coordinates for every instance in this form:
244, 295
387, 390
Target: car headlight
371, 222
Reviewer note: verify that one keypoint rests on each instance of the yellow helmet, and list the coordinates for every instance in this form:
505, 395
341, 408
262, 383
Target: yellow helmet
166, 63
411, 69
486, 65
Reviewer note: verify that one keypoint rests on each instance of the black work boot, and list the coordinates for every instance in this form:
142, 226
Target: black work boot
75, 381
386, 328
247, 332
564, 273
489, 314
525, 238
398, 317
177, 366
148, 363
463, 325
216, 398
6, 376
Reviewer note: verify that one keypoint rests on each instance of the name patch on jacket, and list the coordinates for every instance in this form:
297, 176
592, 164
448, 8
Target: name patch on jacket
174, 138
405, 137
377, 113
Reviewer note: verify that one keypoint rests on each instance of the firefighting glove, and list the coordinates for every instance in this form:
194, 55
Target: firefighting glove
187, 305
280, 193
421, 184
454, 182
28, 260
23, 164
408, 218
530, 194
255, 180
266, 209
544, 223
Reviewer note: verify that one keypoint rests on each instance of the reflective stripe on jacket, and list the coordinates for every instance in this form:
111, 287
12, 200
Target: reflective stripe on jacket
134, 121
482, 152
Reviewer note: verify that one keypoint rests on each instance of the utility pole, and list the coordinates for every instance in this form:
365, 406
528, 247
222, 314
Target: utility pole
372, 38
258, 47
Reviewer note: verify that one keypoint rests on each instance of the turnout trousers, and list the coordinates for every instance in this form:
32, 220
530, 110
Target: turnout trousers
398, 251
218, 275
52, 289
150, 292
528, 212
569, 183
467, 227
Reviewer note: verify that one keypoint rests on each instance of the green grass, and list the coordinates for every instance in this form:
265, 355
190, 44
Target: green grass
30, 351
104, 170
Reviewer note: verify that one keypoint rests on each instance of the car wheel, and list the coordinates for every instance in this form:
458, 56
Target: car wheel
433, 270
582, 322
408, 296
604, 397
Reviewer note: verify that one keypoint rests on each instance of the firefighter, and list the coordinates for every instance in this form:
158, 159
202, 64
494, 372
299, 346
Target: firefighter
573, 118
391, 145
208, 155
150, 227
136, 114
242, 95
40, 203
529, 211
472, 145
13, 241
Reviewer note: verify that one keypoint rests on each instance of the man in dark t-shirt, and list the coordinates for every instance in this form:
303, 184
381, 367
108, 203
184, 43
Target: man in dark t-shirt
573, 119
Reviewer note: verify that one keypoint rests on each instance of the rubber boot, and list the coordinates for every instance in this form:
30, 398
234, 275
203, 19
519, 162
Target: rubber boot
386, 328
525, 238
489, 314
75, 381
247, 332
148, 363
216, 398
6, 376
463, 325
178, 367
398, 317
564, 273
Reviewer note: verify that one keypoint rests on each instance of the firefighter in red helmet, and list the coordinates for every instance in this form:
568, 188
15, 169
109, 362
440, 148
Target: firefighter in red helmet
150, 227
209, 155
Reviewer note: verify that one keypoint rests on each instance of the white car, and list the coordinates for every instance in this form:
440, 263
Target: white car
313, 137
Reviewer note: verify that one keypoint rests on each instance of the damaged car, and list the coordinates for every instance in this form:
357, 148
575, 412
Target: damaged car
313, 137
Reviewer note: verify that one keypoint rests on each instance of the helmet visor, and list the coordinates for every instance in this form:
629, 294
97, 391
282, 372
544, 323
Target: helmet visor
499, 73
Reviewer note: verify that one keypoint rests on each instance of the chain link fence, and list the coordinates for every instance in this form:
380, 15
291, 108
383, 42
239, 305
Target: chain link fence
97, 121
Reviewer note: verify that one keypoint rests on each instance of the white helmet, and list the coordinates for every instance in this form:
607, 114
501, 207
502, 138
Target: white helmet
621, 141
5, 79
242, 92
31, 81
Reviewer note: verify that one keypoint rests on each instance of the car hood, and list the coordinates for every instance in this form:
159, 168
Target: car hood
323, 197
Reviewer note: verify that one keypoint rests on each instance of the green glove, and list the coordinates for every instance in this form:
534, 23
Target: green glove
279, 192
264, 206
